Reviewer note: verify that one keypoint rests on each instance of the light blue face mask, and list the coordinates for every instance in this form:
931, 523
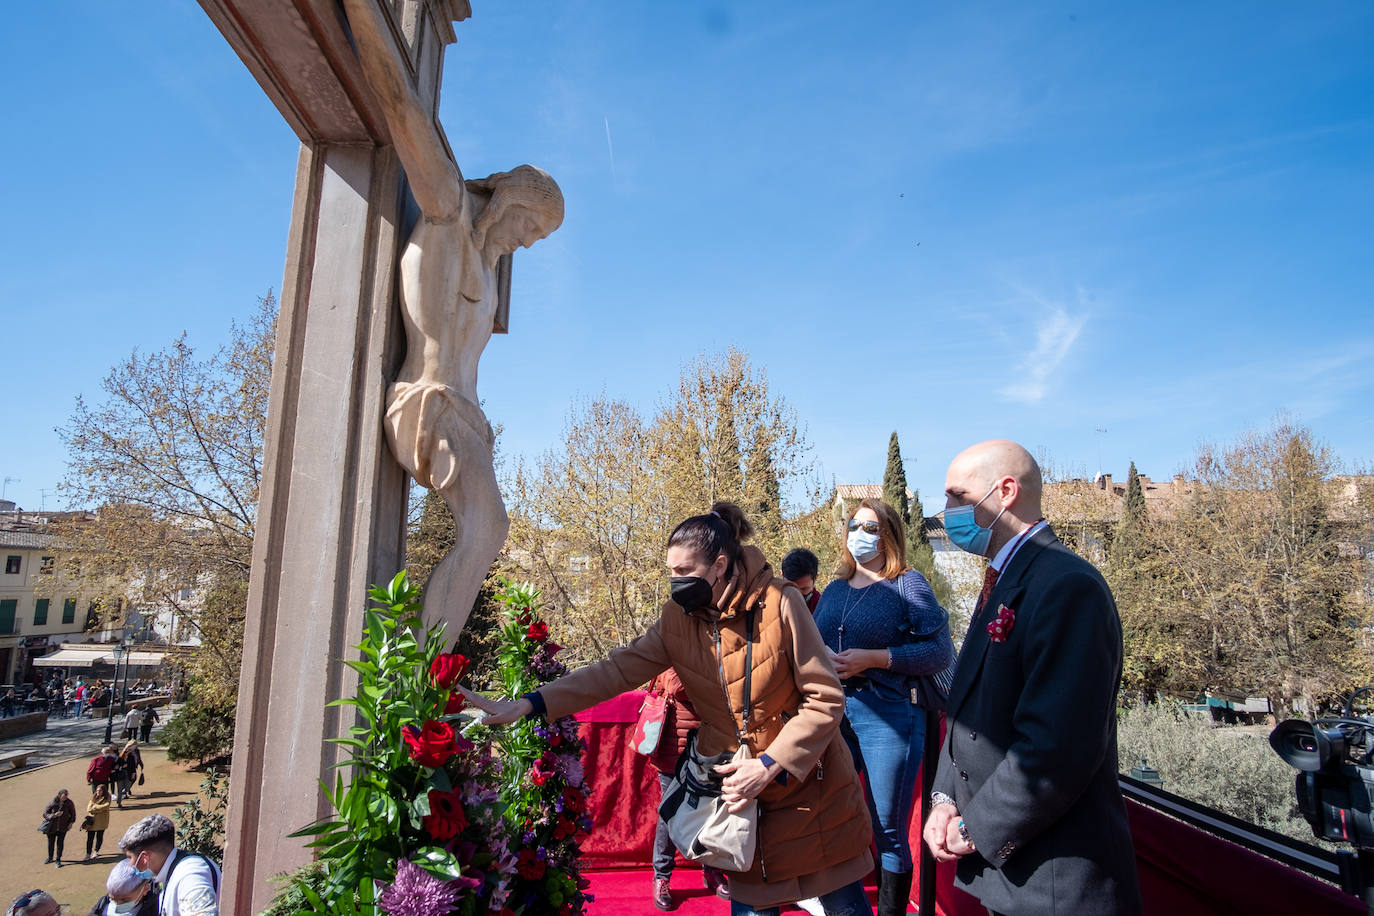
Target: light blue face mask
862, 545
967, 534
143, 874
128, 907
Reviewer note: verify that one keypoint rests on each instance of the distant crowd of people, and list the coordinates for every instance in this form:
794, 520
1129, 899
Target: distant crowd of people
71, 697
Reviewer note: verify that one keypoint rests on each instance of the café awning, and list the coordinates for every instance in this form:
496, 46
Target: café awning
69, 658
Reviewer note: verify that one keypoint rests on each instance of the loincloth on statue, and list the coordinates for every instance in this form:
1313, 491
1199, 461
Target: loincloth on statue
427, 422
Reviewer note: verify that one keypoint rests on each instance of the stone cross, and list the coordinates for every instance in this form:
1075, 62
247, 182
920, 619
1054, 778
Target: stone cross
358, 81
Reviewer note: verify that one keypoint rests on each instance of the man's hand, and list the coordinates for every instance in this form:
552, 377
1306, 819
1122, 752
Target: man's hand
936, 832
498, 712
745, 780
954, 839
853, 662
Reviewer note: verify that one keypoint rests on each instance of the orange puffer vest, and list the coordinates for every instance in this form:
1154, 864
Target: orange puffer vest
805, 825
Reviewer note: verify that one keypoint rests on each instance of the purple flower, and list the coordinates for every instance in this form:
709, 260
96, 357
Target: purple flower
416, 892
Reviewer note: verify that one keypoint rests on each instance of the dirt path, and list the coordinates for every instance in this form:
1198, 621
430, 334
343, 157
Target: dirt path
80, 883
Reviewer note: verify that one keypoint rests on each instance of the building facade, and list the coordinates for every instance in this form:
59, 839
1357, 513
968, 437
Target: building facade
34, 621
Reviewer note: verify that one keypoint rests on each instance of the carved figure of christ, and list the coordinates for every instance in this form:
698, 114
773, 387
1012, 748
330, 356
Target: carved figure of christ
448, 292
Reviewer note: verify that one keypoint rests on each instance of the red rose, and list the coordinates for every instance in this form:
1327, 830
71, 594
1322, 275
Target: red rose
538, 631
529, 866
445, 669
524, 617
564, 828
446, 818
454, 704
539, 777
430, 746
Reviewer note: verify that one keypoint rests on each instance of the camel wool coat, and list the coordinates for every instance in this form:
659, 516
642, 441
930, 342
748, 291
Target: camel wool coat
814, 829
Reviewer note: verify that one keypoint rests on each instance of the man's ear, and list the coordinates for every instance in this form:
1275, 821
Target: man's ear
1010, 489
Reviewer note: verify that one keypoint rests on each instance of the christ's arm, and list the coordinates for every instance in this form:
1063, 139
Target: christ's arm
435, 179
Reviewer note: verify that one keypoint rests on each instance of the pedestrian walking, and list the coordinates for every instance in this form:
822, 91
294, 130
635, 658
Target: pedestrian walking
133, 719
97, 819
100, 771
127, 769
150, 718
58, 818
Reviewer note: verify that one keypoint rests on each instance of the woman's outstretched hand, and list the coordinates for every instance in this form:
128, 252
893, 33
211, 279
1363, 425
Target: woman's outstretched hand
498, 712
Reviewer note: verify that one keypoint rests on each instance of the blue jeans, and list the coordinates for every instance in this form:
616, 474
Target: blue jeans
849, 900
665, 852
891, 733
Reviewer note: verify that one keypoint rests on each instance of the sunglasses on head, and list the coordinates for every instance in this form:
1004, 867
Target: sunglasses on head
870, 527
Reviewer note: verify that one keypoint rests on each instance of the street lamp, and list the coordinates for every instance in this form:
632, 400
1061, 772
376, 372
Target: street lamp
114, 685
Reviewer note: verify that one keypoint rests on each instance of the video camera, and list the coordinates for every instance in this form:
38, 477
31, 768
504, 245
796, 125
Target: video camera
1336, 783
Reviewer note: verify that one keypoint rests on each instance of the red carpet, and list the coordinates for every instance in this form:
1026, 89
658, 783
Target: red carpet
629, 892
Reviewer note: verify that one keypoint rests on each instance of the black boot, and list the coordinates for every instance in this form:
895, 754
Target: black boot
894, 892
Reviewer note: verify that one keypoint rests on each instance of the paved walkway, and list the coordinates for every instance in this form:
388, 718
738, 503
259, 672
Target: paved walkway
67, 738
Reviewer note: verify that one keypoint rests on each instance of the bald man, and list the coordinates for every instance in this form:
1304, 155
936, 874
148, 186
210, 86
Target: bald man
1026, 796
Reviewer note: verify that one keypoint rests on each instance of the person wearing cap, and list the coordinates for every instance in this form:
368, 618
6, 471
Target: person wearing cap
126, 894
34, 903
190, 882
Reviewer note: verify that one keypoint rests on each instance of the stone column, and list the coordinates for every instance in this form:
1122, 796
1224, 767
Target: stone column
331, 512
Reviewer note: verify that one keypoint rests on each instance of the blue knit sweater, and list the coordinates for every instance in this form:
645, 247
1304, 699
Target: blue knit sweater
884, 619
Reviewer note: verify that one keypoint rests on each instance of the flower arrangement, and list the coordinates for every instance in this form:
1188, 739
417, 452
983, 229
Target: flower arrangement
443, 816
545, 791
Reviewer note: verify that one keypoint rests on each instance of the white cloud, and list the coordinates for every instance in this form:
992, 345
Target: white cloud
1055, 335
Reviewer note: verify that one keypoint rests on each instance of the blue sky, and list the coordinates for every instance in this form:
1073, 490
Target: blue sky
952, 220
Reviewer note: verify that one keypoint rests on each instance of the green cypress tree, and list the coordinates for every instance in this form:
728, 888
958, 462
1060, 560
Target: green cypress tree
1129, 537
894, 481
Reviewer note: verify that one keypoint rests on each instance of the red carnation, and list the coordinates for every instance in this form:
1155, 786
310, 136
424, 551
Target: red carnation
445, 669
529, 866
430, 746
539, 631
446, 818
454, 704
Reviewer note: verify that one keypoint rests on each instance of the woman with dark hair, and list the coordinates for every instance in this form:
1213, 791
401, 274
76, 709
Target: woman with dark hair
726, 607
58, 818
884, 627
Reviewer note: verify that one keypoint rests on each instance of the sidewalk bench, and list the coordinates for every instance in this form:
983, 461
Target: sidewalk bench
18, 758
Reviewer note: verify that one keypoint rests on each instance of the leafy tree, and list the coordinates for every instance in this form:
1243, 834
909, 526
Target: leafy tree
1254, 578
199, 732
172, 456
589, 519
201, 821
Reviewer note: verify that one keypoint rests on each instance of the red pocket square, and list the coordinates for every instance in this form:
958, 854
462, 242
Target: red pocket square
1000, 629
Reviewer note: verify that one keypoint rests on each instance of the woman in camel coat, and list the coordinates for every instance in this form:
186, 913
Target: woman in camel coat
813, 824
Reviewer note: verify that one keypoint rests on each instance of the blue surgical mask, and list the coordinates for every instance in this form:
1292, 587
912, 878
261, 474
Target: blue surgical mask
967, 534
862, 545
143, 874
127, 907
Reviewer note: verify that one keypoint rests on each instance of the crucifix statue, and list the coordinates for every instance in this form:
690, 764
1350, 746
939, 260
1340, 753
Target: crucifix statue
374, 377
449, 296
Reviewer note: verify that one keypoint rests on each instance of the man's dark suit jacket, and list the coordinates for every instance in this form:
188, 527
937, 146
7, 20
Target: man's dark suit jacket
1030, 754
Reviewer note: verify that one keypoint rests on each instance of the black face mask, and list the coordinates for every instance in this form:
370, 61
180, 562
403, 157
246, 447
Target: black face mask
691, 593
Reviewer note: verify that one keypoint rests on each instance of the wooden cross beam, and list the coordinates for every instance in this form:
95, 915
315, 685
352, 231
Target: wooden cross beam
331, 512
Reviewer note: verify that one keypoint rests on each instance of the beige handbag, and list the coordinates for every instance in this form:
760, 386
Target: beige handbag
699, 823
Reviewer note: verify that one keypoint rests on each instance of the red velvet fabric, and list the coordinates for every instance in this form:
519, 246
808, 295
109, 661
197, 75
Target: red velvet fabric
1183, 871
